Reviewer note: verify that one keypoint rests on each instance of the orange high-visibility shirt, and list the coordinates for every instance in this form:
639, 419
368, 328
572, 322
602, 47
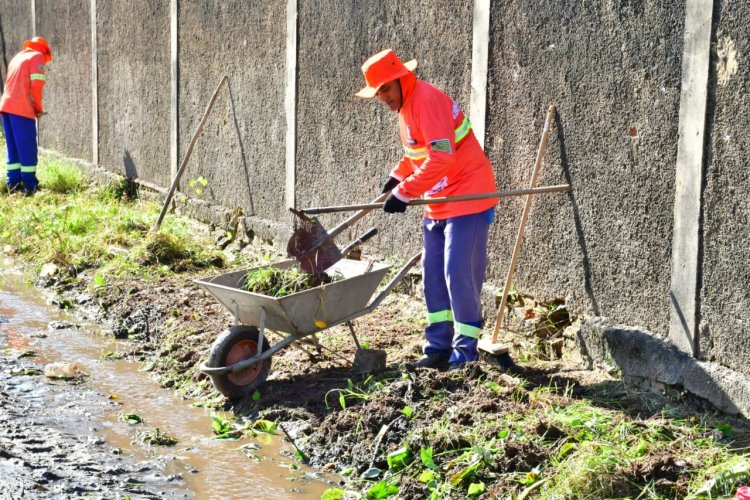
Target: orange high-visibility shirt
23, 86
442, 155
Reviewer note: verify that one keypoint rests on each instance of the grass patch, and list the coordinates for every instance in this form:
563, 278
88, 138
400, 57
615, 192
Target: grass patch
97, 230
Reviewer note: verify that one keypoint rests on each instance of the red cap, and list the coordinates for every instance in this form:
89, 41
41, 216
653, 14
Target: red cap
39, 44
382, 68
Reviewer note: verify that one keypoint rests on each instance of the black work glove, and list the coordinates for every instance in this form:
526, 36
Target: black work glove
391, 183
393, 205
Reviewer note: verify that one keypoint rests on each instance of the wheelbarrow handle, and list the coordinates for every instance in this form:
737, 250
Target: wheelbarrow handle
369, 234
447, 199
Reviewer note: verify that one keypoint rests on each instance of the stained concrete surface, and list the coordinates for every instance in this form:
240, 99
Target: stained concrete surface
613, 71
15, 27
241, 151
347, 145
612, 68
68, 93
134, 76
724, 292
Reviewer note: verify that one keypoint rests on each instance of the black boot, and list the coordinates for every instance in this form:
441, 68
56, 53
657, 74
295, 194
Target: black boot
432, 360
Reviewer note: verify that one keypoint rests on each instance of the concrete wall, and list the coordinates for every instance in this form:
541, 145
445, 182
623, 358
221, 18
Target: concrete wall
67, 96
241, 150
15, 27
347, 145
724, 294
613, 69
134, 87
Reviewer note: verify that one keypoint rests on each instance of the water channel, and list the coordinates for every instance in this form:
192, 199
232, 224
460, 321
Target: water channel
205, 467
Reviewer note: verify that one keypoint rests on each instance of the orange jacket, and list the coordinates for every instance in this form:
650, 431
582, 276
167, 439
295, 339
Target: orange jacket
24, 84
442, 155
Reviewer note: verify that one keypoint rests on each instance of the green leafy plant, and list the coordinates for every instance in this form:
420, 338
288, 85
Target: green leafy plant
131, 418
265, 426
398, 459
353, 392
198, 184
383, 489
223, 429
157, 437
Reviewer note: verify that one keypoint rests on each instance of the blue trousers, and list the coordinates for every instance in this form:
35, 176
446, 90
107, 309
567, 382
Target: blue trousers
20, 141
454, 262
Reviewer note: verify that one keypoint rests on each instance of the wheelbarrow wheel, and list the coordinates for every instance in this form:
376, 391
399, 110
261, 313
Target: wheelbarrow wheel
236, 344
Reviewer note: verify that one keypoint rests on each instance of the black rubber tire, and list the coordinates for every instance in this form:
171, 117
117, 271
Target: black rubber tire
218, 358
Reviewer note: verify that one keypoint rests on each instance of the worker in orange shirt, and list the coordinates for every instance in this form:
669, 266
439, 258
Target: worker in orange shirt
442, 157
20, 107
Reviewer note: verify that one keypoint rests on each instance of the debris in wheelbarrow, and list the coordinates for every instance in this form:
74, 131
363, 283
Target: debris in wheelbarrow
240, 358
277, 282
313, 246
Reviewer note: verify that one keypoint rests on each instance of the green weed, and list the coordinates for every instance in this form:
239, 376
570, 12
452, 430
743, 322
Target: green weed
61, 176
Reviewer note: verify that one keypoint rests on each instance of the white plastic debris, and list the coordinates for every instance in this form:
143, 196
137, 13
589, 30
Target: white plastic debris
61, 370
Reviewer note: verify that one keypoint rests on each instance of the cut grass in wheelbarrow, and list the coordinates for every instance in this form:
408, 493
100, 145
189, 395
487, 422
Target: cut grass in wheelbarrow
240, 358
277, 282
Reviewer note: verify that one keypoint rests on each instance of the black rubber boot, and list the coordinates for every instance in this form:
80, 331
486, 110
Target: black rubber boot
432, 360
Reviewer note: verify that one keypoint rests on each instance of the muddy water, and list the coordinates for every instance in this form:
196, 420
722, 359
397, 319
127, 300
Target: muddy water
208, 467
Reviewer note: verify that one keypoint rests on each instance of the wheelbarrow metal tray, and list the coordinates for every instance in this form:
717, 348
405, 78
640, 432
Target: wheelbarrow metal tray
304, 312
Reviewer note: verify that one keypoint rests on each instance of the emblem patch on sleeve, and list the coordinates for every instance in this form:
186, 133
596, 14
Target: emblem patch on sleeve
441, 145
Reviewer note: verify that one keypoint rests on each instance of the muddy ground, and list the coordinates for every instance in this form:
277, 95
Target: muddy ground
172, 324
49, 448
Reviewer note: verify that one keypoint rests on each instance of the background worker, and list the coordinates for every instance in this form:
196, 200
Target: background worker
442, 158
20, 106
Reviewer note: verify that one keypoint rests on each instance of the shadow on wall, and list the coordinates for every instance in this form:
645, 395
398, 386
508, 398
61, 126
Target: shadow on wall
243, 157
576, 215
5, 56
131, 172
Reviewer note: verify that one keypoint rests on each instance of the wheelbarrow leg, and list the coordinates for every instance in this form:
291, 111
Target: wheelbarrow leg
366, 360
261, 329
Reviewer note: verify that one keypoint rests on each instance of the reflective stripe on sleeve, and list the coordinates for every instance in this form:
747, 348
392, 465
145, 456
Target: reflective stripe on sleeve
415, 154
13, 166
439, 316
462, 130
467, 330
421, 153
38, 76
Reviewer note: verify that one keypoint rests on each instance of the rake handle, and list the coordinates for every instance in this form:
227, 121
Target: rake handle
522, 224
498, 194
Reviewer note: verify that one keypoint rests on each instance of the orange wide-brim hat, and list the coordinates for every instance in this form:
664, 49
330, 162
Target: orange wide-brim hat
382, 68
39, 44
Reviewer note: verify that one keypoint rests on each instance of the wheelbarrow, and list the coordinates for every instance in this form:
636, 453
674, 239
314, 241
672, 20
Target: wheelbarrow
240, 358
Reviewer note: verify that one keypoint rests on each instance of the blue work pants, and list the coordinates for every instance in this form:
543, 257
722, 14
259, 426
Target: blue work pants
454, 262
21, 145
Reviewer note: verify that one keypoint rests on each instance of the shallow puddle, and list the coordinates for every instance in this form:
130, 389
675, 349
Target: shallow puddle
210, 468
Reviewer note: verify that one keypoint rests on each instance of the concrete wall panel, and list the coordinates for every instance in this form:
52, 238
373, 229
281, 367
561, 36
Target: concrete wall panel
15, 27
613, 70
67, 95
347, 146
726, 210
134, 88
241, 150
